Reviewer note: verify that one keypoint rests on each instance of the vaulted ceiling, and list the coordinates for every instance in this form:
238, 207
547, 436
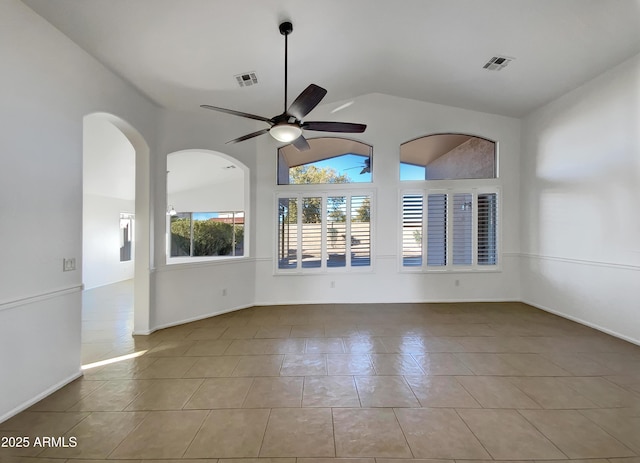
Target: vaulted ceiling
183, 53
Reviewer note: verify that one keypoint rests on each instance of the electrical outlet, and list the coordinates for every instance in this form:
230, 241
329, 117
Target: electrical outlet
332, 284
457, 282
224, 291
68, 264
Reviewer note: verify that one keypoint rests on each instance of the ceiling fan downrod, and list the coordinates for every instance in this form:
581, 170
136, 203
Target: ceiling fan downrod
286, 28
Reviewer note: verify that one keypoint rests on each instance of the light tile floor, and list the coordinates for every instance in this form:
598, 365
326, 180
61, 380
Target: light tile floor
371, 383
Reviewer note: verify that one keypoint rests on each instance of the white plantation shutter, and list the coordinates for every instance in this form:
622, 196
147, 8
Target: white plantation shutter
462, 247
412, 218
437, 230
487, 228
461, 229
287, 233
360, 227
311, 232
319, 232
336, 231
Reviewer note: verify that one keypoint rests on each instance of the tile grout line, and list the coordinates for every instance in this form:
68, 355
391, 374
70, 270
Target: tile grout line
471, 430
195, 434
406, 382
607, 432
541, 433
265, 433
244, 401
395, 415
455, 378
333, 429
146, 415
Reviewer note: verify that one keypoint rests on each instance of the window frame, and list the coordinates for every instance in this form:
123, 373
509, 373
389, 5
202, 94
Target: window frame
280, 155
496, 159
449, 267
173, 260
320, 190
245, 207
130, 217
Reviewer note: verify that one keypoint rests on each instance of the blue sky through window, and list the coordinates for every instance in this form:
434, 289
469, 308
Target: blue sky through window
412, 172
205, 215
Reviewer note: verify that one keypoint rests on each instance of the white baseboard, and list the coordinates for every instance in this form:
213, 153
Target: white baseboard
195, 319
40, 396
142, 333
595, 326
416, 301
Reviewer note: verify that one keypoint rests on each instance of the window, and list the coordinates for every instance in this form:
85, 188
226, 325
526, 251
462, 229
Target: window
200, 234
448, 157
126, 237
323, 231
207, 197
461, 229
329, 160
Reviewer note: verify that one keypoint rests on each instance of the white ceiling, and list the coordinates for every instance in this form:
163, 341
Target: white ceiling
183, 53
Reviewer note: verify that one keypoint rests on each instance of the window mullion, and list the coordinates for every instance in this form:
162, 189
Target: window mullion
324, 255
233, 233
449, 230
191, 234
474, 228
425, 230
347, 237
299, 203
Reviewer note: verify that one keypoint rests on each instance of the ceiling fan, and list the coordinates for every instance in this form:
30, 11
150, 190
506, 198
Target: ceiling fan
365, 166
288, 126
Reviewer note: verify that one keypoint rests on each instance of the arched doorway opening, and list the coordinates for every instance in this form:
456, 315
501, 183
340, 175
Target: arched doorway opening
116, 181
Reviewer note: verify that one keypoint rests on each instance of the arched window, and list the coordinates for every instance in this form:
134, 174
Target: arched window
447, 157
206, 206
330, 160
327, 229
452, 224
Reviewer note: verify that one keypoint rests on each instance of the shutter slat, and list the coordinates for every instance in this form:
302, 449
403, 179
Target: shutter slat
437, 230
487, 228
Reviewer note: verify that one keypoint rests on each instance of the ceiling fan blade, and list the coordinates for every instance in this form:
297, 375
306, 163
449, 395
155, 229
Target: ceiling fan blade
250, 135
301, 144
306, 101
344, 127
237, 113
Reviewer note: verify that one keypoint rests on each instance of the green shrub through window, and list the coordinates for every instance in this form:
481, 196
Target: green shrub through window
199, 234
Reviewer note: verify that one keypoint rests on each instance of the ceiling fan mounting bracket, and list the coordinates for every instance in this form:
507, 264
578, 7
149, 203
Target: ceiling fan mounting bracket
286, 28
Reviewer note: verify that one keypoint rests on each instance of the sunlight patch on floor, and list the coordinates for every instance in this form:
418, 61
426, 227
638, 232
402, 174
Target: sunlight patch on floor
88, 366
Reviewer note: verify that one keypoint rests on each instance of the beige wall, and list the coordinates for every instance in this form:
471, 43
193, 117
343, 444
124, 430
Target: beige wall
472, 159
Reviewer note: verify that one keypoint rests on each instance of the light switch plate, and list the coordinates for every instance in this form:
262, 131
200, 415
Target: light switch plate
68, 264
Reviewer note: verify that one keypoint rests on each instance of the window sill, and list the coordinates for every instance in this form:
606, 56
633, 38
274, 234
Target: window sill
173, 261
324, 271
490, 269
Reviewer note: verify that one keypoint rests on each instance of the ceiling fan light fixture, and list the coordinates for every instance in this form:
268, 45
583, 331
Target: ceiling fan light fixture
285, 132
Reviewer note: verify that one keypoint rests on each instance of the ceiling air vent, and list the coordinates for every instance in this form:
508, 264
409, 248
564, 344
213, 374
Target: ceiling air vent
247, 79
497, 63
